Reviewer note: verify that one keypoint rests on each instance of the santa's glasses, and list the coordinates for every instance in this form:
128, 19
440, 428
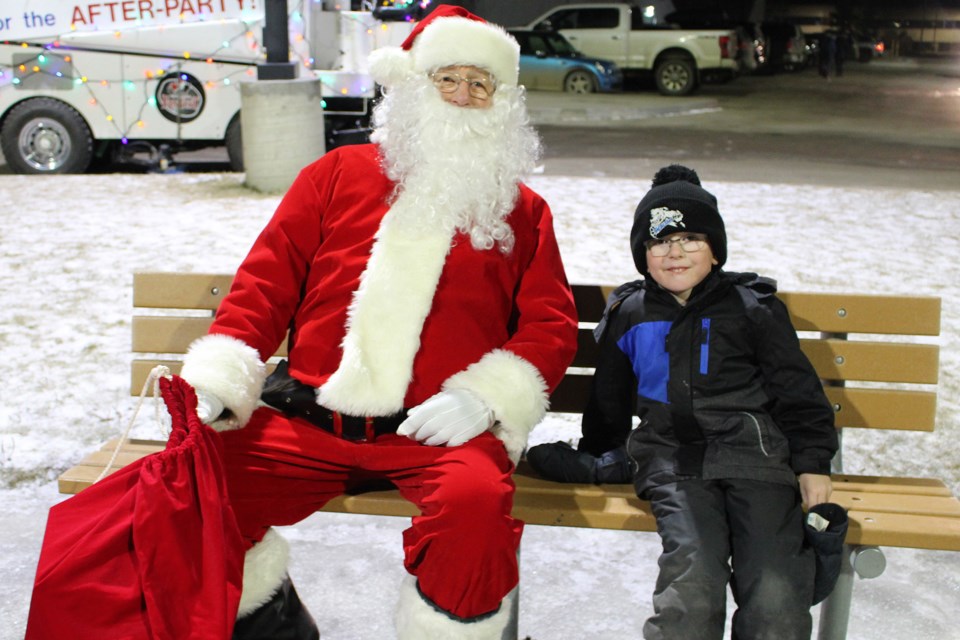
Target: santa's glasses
689, 243
480, 87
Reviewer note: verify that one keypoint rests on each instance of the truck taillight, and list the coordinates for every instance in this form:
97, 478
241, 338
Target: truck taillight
725, 47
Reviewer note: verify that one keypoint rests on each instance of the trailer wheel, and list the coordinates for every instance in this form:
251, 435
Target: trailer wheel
234, 143
44, 135
675, 76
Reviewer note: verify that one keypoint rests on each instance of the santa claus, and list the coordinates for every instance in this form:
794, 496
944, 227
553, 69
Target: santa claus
429, 318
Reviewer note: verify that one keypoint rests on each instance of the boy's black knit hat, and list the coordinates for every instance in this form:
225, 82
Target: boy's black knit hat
676, 202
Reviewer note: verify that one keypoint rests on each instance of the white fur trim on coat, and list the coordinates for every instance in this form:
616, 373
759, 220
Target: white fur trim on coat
386, 318
229, 369
515, 391
418, 620
264, 569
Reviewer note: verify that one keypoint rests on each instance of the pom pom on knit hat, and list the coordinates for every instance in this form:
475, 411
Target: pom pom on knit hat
674, 172
676, 202
449, 35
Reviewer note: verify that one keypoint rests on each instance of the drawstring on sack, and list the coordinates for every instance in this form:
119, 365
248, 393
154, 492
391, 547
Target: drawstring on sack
159, 371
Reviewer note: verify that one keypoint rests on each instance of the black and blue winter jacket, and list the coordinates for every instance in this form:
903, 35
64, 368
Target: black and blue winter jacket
720, 385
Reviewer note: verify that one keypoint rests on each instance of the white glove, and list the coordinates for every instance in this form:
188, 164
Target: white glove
209, 407
450, 417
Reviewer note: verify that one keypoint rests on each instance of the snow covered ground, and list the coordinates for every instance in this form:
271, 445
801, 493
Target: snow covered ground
71, 243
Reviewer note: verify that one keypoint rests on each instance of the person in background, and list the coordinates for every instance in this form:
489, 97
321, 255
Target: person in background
735, 433
429, 318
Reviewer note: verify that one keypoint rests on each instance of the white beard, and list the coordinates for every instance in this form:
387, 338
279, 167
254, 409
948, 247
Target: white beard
456, 168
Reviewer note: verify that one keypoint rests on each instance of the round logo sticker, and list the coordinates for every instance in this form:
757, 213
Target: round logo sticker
180, 97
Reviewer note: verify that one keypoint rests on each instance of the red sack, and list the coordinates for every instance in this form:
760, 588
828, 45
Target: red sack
151, 551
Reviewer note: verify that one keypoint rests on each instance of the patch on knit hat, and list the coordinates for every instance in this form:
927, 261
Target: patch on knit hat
662, 218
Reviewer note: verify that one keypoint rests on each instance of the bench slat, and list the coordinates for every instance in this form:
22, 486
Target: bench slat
930, 519
902, 486
894, 503
172, 334
904, 530
905, 410
908, 410
848, 360
825, 312
180, 290
840, 360
859, 313
883, 408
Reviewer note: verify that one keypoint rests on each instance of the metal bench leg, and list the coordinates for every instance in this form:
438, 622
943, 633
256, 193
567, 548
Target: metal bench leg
866, 562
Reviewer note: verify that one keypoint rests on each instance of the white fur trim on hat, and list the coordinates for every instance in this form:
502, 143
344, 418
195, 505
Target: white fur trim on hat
461, 41
389, 66
515, 391
450, 40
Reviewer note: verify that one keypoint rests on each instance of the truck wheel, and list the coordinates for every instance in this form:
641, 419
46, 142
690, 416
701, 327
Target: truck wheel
43, 135
234, 143
579, 81
675, 76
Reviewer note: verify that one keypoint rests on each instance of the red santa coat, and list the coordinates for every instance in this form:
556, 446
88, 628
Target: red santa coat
432, 313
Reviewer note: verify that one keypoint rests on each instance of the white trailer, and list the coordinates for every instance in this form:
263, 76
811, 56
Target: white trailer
80, 83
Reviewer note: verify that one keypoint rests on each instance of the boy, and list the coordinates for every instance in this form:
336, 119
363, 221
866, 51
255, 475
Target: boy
735, 430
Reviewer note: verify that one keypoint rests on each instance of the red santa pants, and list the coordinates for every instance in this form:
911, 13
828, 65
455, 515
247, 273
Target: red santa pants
463, 546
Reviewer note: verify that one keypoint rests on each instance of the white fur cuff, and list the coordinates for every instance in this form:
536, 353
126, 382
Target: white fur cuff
264, 569
418, 620
515, 391
230, 370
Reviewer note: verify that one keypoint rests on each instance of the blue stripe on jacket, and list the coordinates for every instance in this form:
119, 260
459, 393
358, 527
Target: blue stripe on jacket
645, 345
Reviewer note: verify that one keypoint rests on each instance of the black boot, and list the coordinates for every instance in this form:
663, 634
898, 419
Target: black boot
283, 617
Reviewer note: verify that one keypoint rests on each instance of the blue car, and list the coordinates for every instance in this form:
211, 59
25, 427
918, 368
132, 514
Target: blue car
549, 62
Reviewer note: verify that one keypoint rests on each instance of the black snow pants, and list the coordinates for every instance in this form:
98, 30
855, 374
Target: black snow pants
745, 532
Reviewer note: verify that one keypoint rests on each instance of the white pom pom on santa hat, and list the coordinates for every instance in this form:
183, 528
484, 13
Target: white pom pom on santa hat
448, 36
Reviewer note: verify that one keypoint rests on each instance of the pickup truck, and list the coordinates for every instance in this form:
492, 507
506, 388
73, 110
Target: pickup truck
678, 58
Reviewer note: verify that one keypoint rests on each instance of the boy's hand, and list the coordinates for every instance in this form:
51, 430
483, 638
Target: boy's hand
814, 488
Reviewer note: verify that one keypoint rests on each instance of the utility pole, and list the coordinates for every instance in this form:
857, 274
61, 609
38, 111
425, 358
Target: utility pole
281, 125
276, 39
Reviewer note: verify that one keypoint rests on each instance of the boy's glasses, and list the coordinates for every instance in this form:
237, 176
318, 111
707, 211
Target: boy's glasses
689, 243
477, 86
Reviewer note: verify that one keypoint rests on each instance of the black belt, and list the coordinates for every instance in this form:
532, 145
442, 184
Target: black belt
298, 400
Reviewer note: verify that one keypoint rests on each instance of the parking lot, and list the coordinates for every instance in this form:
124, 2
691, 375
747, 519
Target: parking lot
893, 122
887, 123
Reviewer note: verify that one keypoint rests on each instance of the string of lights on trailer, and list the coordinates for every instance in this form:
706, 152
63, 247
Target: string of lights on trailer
12, 75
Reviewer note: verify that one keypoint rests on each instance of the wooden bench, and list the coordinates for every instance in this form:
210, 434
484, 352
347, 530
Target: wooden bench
883, 379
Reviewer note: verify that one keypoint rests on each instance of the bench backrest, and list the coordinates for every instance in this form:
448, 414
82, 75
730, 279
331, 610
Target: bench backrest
869, 350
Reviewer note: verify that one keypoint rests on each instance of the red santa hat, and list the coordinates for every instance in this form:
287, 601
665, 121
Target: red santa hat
449, 35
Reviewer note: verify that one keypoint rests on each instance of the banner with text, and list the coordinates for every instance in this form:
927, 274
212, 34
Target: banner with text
40, 19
